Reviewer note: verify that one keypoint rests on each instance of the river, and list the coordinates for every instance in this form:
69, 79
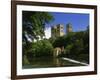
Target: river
50, 62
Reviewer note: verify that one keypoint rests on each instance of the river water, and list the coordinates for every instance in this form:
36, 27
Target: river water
50, 62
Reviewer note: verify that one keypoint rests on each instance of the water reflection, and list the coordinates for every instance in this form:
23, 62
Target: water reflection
49, 62
57, 62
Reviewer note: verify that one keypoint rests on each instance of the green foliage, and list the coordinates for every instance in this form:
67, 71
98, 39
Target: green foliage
34, 24
76, 45
25, 60
59, 42
42, 48
68, 48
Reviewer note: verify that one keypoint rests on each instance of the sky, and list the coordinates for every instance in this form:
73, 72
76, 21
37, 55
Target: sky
79, 21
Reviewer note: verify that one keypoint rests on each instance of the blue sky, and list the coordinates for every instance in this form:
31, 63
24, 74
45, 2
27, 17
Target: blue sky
79, 21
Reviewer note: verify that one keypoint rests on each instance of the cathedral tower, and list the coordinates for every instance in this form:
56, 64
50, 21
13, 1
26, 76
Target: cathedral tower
57, 31
60, 30
69, 28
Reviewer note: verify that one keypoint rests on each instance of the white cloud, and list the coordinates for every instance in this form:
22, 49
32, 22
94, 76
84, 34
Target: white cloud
48, 32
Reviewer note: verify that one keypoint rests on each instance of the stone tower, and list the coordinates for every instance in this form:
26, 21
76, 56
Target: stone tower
57, 31
53, 31
69, 28
60, 30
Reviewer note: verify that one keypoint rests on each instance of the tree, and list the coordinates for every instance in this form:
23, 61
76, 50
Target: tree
41, 48
78, 46
34, 24
59, 42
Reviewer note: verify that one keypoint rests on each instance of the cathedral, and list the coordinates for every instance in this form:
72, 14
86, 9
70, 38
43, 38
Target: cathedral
58, 30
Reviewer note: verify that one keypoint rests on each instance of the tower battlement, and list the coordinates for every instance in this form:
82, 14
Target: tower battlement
58, 30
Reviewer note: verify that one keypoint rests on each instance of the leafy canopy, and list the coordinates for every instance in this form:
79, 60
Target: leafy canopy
34, 24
